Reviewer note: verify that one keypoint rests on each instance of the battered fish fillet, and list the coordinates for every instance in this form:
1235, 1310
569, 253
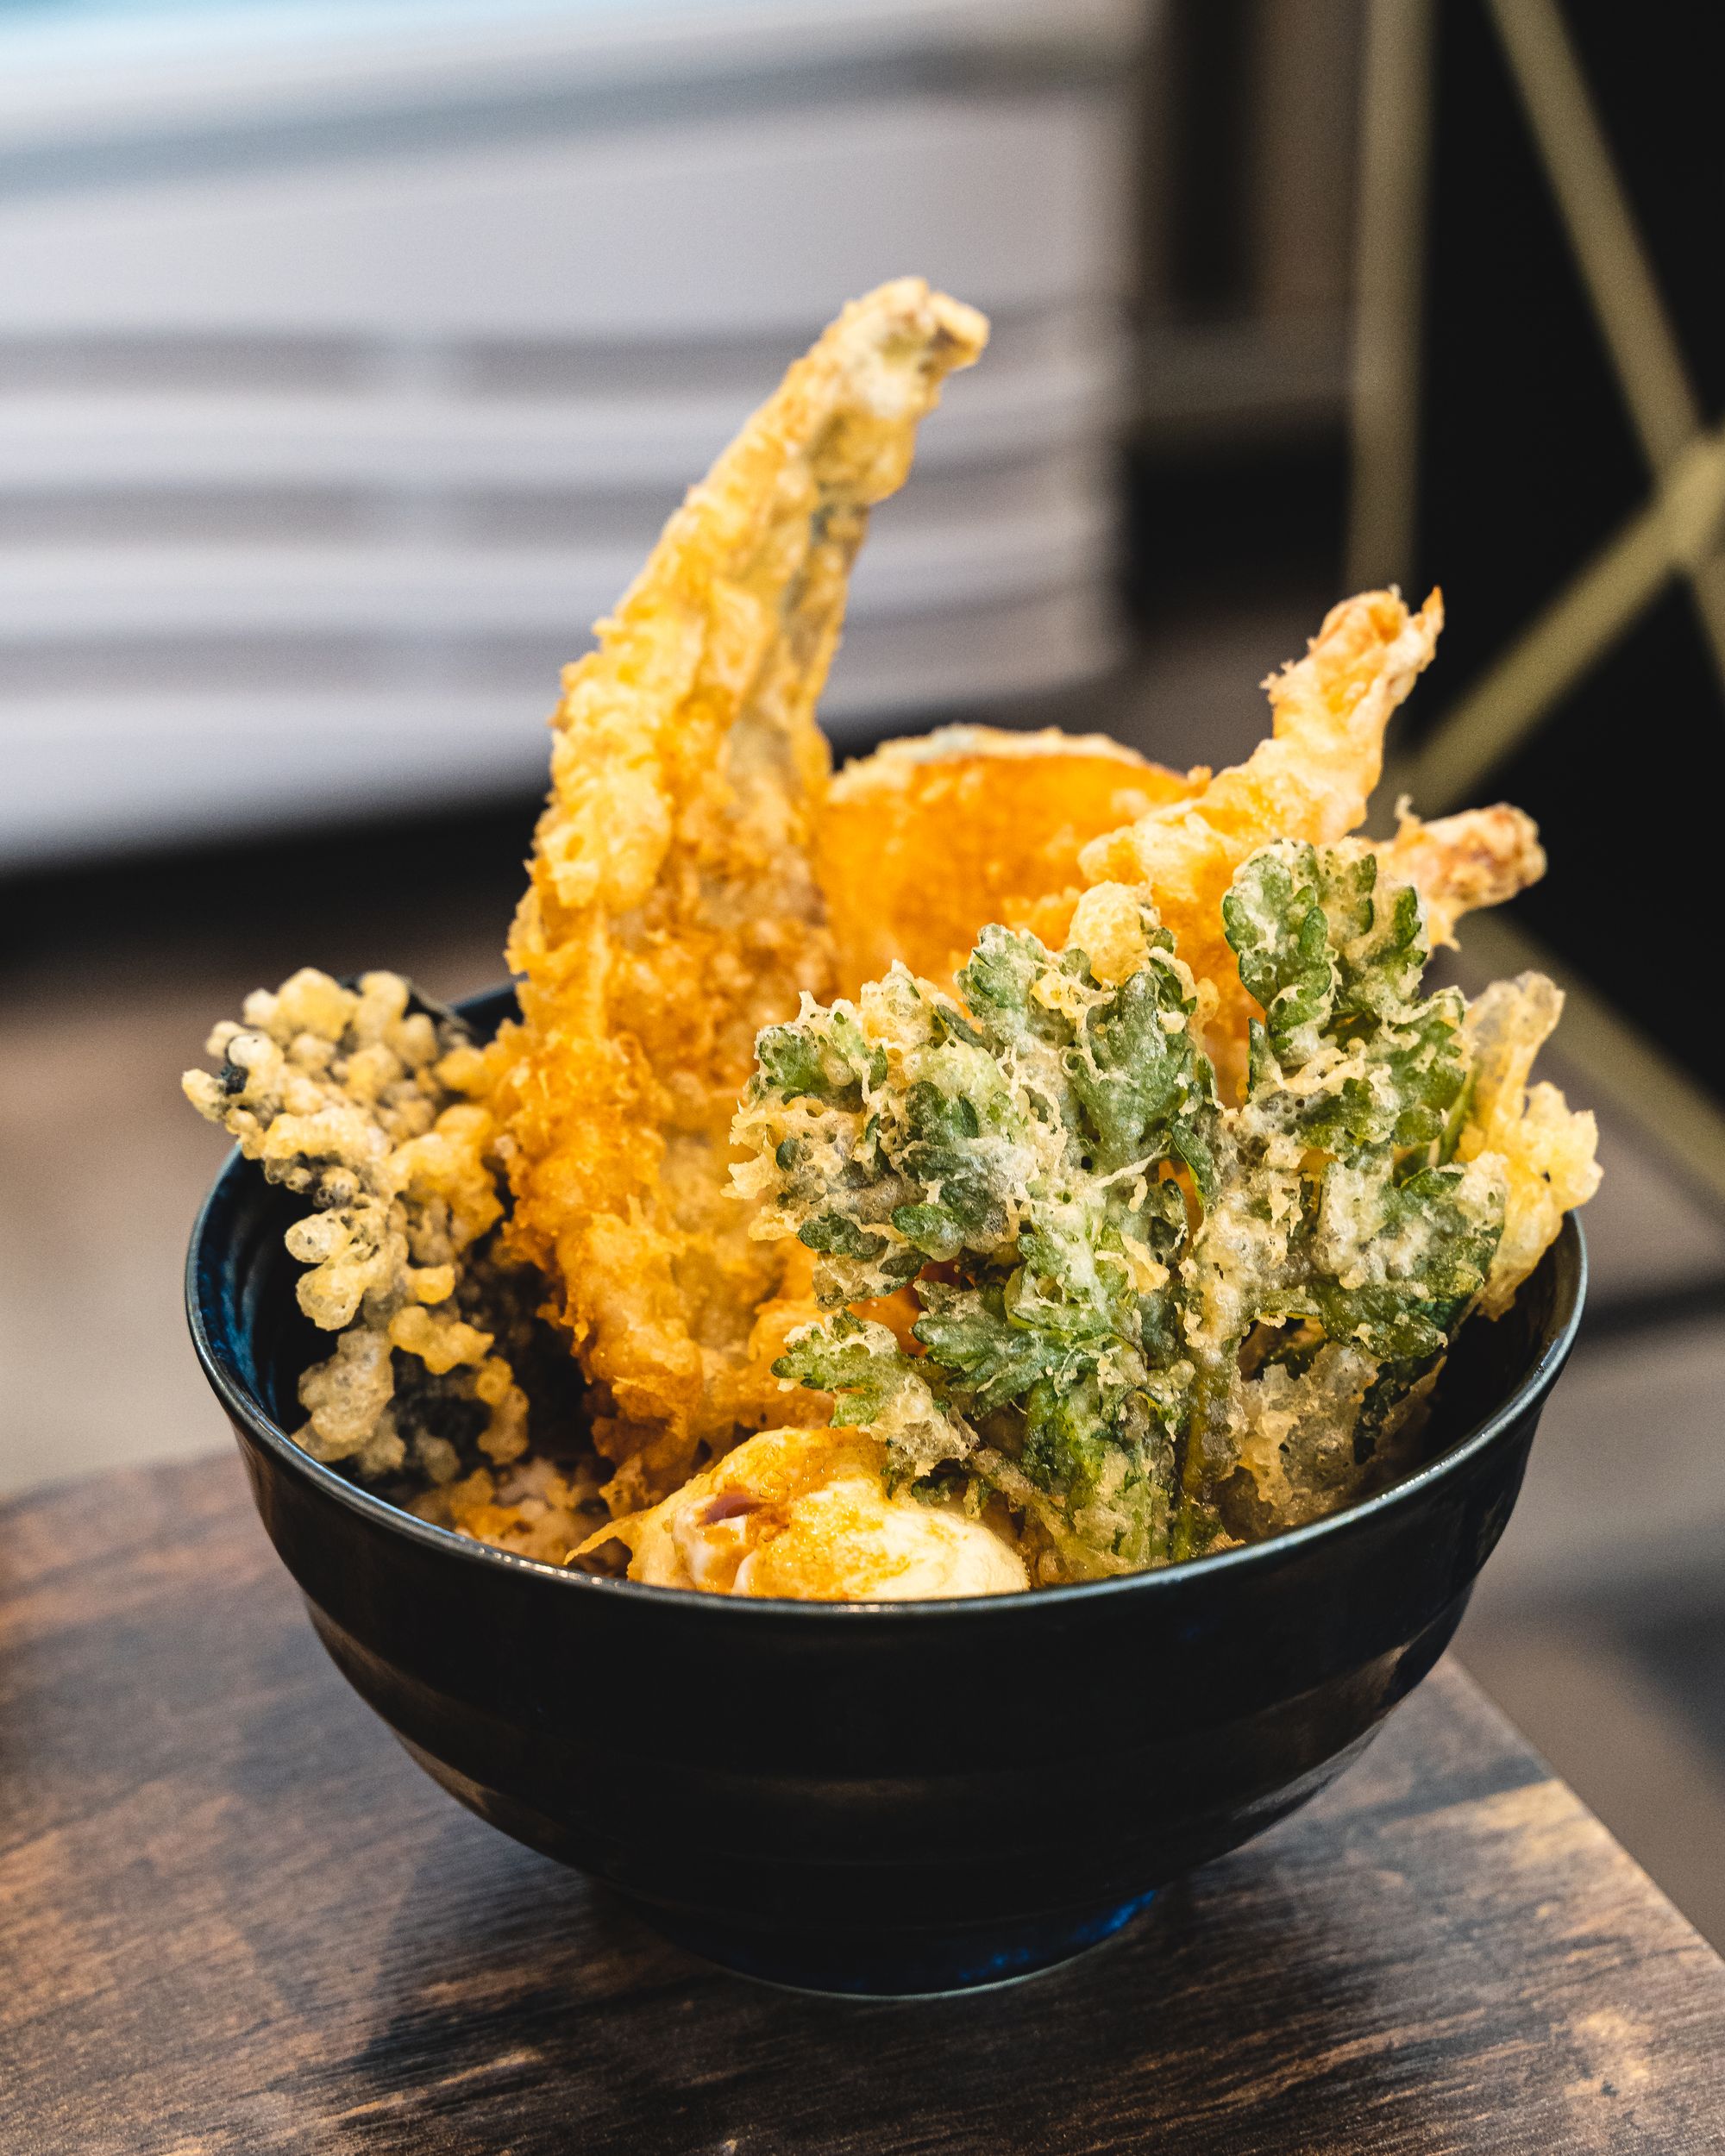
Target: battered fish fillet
924, 843
673, 912
1311, 781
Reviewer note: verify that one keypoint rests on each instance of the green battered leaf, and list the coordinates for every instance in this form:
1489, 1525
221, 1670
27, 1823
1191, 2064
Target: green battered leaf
1145, 1087
992, 1360
832, 1233
861, 1365
822, 1055
997, 984
1109, 1237
1275, 924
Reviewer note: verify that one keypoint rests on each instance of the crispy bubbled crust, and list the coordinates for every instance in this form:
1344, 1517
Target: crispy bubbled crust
376, 1114
673, 910
1309, 782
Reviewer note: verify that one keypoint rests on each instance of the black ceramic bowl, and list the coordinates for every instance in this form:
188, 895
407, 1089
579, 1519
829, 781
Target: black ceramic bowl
896, 1797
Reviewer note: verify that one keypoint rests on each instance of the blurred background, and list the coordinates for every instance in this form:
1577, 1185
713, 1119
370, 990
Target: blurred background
351, 356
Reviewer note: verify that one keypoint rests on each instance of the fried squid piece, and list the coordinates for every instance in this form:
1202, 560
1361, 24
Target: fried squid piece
1483, 856
1546, 1147
926, 841
673, 911
1309, 783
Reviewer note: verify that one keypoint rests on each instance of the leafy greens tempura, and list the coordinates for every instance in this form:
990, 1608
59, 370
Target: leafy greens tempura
1151, 1322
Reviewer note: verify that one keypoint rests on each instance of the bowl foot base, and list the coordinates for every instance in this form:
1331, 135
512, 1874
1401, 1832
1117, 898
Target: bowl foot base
891, 1965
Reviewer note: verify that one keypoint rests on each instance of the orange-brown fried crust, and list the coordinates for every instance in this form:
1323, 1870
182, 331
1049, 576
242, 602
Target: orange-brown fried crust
673, 911
1310, 780
926, 842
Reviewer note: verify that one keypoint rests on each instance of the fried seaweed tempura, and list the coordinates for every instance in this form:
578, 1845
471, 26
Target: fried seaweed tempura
674, 910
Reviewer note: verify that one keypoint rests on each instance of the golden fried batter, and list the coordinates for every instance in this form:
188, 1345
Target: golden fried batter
1311, 781
1546, 1147
375, 1113
804, 1514
924, 843
530, 1506
694, 876
1481, 857
673, 911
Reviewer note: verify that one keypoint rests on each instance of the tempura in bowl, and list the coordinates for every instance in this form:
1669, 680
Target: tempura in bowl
1005, 1164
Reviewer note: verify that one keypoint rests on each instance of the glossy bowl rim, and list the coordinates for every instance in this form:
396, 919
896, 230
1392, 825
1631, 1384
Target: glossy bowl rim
243, 1408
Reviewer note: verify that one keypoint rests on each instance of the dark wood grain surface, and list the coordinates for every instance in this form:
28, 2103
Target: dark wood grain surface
235, 1917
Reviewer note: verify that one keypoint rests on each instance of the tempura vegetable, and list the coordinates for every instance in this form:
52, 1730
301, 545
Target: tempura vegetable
924, 842
1153, 1321
673, 908
1310, 781
368, 1109
1547, 1147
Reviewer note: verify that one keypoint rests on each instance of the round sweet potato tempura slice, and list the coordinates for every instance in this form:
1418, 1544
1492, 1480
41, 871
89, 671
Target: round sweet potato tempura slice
924, 842
673, 910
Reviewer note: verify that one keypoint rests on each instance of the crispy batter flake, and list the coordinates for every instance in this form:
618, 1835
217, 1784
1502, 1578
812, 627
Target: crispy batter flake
1481, 857
1546, 1147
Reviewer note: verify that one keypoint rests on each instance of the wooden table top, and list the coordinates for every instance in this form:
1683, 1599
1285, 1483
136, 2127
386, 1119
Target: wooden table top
235, 1917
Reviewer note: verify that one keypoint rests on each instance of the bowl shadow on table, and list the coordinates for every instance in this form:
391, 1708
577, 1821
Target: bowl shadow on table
687, 2055
1243, 1993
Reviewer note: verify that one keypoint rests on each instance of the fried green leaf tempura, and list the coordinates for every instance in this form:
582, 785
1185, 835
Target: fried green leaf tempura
1152, 1322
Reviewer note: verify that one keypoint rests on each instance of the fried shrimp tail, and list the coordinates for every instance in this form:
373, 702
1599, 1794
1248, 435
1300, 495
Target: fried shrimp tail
673, 910
1310, 782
